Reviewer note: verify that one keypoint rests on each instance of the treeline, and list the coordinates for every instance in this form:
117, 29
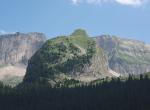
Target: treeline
132, 94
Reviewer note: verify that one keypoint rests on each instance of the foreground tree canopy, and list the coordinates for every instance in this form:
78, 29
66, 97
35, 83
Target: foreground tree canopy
114, 94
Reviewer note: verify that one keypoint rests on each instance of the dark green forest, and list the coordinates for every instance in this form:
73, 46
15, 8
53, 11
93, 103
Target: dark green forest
114, 94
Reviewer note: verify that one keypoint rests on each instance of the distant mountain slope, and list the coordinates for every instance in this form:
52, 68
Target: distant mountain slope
15, 51
19, 47
68, 57
126, 56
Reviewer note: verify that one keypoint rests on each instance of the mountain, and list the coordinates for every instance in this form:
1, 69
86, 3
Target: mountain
15, 51
68, 57
76, 56
125, 56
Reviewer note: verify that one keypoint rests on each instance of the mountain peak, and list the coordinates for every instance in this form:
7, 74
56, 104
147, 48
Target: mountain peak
73, 57
80, 32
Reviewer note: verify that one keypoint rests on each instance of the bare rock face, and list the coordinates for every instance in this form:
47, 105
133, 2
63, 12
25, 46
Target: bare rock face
18, 48
126, 56
15, 51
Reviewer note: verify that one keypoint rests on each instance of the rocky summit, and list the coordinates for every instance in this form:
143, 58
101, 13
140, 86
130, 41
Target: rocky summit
68, 57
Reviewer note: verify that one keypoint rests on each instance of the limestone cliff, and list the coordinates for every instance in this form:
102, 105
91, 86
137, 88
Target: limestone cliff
19, 47
126, 56
15, 51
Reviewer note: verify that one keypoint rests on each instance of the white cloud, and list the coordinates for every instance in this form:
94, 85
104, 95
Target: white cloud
122, 2
75, 1
131, 2
4, 32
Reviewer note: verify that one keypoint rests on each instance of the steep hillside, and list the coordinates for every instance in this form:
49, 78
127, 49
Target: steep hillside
68, 57
15, 51
126, 56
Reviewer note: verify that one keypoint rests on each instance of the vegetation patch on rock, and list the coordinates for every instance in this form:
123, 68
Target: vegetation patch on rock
62, 57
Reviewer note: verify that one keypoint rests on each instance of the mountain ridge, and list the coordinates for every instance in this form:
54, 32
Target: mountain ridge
114, 56
126, 56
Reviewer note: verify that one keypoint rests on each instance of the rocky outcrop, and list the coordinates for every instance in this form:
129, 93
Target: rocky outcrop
19, 47
15, 51
67, 57
126, 56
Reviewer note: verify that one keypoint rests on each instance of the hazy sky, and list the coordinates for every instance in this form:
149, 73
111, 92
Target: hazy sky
124, 18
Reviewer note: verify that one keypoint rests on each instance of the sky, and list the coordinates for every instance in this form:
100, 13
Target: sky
123, 18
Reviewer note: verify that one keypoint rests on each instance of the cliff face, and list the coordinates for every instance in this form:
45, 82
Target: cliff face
18, 48
68, 57
126, 56
15, 51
